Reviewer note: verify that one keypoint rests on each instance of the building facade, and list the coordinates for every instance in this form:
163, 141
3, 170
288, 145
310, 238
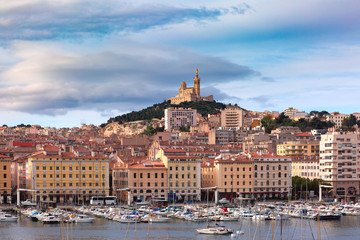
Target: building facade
272, 175
177, 117
144, 180
5, 179
298, 148
184, 173
66, 177
232, 117
232, 175
305, 167
339, 161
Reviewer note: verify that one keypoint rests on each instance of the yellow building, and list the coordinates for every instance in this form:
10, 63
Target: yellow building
190, 94
305, 166
66, 177
298, 148
184, 172
5, 179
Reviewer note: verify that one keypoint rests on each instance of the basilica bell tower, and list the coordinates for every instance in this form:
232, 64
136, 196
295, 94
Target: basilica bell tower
197, 83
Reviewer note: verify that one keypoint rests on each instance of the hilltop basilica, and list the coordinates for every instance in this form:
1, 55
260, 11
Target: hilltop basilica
190, 94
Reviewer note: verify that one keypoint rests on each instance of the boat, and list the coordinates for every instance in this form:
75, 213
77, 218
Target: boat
129, 219
215, 230
51, 219
159, 219
83, 219
8, 218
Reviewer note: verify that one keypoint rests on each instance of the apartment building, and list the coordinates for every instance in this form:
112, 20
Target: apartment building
305, 166
184, 173
336, 118
5, 179
298, 148
66, 177
232, 175
232, 117
177, 117
272, 175
144, 180
339, 163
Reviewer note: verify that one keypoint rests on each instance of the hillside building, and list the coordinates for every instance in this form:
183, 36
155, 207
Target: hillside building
191, 94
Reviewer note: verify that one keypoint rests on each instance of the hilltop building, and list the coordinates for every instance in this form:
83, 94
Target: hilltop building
191, 94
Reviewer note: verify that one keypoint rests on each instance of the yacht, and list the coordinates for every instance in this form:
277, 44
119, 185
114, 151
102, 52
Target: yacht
214, 230
7, 218
83, 219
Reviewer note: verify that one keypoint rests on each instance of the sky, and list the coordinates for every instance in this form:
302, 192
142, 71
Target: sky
67, 62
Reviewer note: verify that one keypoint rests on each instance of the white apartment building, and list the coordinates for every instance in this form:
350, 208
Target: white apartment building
340, 163
177, 117
232, 117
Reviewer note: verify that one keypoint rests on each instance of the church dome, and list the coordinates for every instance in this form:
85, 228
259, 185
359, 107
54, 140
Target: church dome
183, 85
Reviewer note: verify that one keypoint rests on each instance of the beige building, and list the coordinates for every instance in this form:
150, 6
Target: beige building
5, 179
336, 118
305, 167
232, 175
232, 117
339, 163
145, 180
177, 117
184, 173
191, 94
272, 175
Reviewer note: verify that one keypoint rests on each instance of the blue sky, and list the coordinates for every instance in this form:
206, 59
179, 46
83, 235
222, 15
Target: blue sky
63, 63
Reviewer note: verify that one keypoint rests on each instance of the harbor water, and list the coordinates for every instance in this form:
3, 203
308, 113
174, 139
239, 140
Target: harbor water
348, 227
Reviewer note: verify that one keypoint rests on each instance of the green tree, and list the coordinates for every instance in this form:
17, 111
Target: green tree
268, 123
349, 123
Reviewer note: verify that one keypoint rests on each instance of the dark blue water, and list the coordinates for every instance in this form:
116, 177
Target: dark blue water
346, 228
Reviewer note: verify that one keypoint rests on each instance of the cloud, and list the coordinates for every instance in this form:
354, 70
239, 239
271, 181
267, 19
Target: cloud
262, 101
41, 19
49, 79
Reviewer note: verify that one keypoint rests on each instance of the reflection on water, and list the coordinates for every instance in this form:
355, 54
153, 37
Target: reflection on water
346, 228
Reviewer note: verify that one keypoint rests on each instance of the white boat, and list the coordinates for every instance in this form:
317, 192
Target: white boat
7, 218
83, 219
129, 219
51, 219
159, 219
214, 230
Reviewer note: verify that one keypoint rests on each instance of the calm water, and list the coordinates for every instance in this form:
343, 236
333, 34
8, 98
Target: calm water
346, 228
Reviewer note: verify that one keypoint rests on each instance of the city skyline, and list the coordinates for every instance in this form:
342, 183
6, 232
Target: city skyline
65, 63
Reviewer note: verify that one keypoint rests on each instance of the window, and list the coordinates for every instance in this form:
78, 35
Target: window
37, 168
170, 168
63, 167
51, 168
134, 175
64, 184
148, 184
51, 176
44, 167
156, 184
5, 184
156, 175
134, 184
57, 168
141, 175
194, 175
37, 175
162, 175
70, 175
148, 175
141, 184
64, 175
90, 168
70, 184
90, 175
83, 168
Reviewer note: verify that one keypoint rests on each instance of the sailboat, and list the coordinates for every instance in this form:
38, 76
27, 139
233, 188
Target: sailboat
213, 229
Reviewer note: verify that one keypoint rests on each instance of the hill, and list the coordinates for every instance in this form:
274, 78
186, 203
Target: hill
157, 111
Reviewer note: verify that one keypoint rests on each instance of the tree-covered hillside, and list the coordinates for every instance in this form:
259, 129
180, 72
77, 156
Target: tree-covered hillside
157, 111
